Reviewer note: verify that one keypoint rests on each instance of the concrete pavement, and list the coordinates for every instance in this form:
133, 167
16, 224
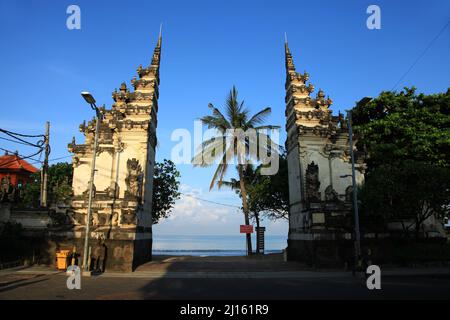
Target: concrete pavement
53, 286
184, 278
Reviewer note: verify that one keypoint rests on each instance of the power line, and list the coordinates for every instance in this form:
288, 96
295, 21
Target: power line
50, 160
14, 141
16, 136
213, 202
421, 55
40, 144
22, 135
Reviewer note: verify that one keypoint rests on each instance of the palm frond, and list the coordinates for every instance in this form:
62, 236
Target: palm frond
216, 173
214, 149
224, 146
259, 117
213, 122
222, 174
233, 184
220, 171
267, 127
232, 106
219, 115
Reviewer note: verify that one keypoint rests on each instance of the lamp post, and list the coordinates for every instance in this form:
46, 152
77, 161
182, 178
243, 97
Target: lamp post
91, 101
362, 102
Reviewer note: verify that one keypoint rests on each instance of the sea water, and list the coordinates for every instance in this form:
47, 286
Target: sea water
212, 245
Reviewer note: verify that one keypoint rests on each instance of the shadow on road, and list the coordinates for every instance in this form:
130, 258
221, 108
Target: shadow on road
21, 283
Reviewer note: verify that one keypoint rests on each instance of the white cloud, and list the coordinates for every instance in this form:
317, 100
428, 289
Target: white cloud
191, 215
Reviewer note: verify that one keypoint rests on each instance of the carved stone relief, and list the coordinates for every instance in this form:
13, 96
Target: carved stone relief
312, 183
134, 179
331, 194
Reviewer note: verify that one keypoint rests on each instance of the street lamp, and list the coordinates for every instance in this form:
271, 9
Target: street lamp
361, 103
91, 101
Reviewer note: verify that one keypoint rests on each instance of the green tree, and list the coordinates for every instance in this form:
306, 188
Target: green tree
410, 193
406, 137
395, 127
165, 189
227, 142
59, 186
267, 195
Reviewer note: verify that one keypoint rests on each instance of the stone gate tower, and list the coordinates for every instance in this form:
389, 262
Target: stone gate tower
319, 167
121, 225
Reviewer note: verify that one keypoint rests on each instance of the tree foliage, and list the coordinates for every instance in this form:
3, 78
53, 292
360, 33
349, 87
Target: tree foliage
407, 140
165, 189
410, 193
268, 195
59, 186
404, 126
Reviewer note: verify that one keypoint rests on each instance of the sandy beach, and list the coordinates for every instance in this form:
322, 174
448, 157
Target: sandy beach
268, 262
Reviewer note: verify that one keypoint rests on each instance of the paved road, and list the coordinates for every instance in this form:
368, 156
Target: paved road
323, 285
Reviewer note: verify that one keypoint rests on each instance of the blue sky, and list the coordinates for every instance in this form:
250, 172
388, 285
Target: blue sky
208, 46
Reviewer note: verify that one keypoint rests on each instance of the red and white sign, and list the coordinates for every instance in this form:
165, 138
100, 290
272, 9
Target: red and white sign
246, 228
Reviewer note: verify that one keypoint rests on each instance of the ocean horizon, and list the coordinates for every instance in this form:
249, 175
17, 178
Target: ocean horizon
213, 245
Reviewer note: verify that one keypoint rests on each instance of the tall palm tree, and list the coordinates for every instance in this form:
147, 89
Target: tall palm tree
251, 178
229, 142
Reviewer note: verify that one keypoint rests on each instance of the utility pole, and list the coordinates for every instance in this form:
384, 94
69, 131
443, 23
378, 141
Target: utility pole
91, 101
91, 193
44, 171
360, 103
355, 196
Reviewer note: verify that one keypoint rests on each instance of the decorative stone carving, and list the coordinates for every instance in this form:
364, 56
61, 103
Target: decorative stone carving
82, 127
134, 179
79, 218
129, 218
115, 219
95, 220
7, 193
75, 161
113, 190
86, 192
331, 194
312, 183
349, 194
72, 145
59, 218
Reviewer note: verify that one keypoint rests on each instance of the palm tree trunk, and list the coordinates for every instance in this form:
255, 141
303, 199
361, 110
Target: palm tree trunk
245, 207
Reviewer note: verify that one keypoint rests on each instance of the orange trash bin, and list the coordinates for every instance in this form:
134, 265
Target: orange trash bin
61, 259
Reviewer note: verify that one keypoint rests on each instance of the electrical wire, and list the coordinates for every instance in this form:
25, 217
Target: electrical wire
421, 55
14, 141
213, 202
15, 135
50, 160
21, 134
